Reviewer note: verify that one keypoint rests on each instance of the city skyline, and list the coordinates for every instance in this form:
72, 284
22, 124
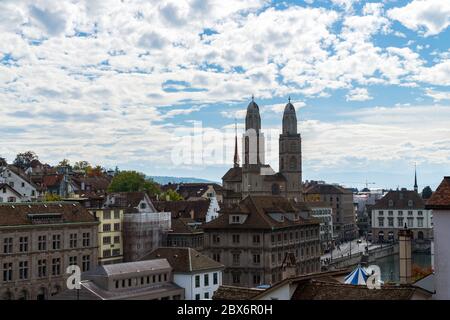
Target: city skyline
122, 84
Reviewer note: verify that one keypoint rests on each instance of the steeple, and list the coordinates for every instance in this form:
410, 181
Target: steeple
416, 188
236, 154
253, 119
289, 119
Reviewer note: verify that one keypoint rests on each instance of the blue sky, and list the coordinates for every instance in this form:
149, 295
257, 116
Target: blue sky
122, 83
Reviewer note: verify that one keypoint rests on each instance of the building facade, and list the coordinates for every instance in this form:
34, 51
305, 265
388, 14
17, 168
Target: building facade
341, 200
38, 242
324, 213
255, 177
17, 179
254, 240
397, 209
110, 239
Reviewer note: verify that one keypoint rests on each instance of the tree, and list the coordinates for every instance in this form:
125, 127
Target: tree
171, 195
81, 165
427, 192
96, 171
23, 160
131, 181
3, 162
52, 197
64, 163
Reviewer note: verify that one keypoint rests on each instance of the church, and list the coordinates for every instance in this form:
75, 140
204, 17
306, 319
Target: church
257, 178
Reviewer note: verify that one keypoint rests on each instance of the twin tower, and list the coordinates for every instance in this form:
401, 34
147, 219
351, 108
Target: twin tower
255, 177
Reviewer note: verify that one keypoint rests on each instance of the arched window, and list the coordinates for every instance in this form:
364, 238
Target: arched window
381, 236
282, 163
420, 235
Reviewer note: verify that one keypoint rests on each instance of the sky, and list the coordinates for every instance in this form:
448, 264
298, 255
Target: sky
157, 86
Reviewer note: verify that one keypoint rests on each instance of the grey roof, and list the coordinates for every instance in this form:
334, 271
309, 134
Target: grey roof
130, 267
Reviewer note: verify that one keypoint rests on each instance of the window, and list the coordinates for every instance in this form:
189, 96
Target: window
206, 295
215, 278
279, 237
380, 212
73, 240
106, 240
86, 239
256, 279
256, 258
73, 261
272, 238
390, 222
117, 214
391, 203
236, 238
23, 244
106, 227
279, 257
410, 203
285, 236
400, 212
419, 213
56, 266
206, 280
420, 222
56, 243
143, 205
42, 243
197, 281
197, 296
117, 239
381, 222
410, 213
106, 215
7, 245
86, 263
106, 253
400, 222
236, 278
235, 219
390, 213
410, 222
256, 239
116, 252
116, 226
296, 235
7, 271
216, 257
23, 270
23, 184
236, 258
216, 239
42, 268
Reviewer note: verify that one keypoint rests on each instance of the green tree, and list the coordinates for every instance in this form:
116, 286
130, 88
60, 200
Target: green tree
427, 192
131, 181
81, 165
171, 195
64, 163
52, 197
24, 159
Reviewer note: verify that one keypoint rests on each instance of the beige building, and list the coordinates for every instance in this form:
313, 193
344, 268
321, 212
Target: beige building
263, 240
110, 239
38, 242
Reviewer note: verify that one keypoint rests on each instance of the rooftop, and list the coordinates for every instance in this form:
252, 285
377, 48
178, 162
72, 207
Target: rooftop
440, 199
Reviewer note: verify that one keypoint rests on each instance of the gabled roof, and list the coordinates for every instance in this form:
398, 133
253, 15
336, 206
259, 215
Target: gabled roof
54, 180
185, 260
257, 209
129, 267
183, 208
5, 185
195, 190
400, 200
440, 199
96, 183
181, 226
233, 175
128, 200
19, 172
18, 214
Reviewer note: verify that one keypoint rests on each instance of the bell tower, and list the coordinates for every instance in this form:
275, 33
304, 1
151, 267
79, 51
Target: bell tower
290, 153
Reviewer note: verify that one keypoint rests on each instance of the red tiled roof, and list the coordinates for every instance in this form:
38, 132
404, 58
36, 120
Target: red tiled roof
440, 199
400, 200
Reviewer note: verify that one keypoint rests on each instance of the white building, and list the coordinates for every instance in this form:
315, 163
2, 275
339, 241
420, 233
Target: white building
8, 194
397, 209
19, 181
439, 203
198, 274
213, 210
324, 213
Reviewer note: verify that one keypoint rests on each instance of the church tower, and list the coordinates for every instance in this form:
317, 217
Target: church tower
290, 153
253, 139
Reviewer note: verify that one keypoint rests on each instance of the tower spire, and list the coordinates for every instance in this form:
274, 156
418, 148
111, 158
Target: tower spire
236, 154
416, 188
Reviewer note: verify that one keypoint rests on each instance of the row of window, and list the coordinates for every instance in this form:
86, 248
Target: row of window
107, 253
400, 212
44, 241
256, 239
135, 282
23, 267
107, 240
107, 227
108, 214
400, 222
206, 280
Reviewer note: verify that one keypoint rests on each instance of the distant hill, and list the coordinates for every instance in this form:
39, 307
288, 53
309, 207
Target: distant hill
166, 180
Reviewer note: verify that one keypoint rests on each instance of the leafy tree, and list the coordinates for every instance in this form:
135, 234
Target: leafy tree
24, 159
81, 165
96, 171
427, 192
171, 195
52, 197
64, 163
130, 181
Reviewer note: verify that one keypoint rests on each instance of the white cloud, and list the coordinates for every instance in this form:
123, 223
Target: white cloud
429, 17
437, 95
358, 94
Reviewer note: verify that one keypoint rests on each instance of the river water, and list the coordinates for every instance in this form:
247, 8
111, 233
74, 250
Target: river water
390, 267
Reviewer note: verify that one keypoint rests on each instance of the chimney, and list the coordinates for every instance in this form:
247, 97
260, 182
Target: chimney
404, 239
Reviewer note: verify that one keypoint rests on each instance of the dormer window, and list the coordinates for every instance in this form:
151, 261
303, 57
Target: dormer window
235, 219
410, 203
391, 203
143, 205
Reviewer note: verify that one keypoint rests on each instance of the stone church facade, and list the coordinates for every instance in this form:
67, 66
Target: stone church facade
257, 178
